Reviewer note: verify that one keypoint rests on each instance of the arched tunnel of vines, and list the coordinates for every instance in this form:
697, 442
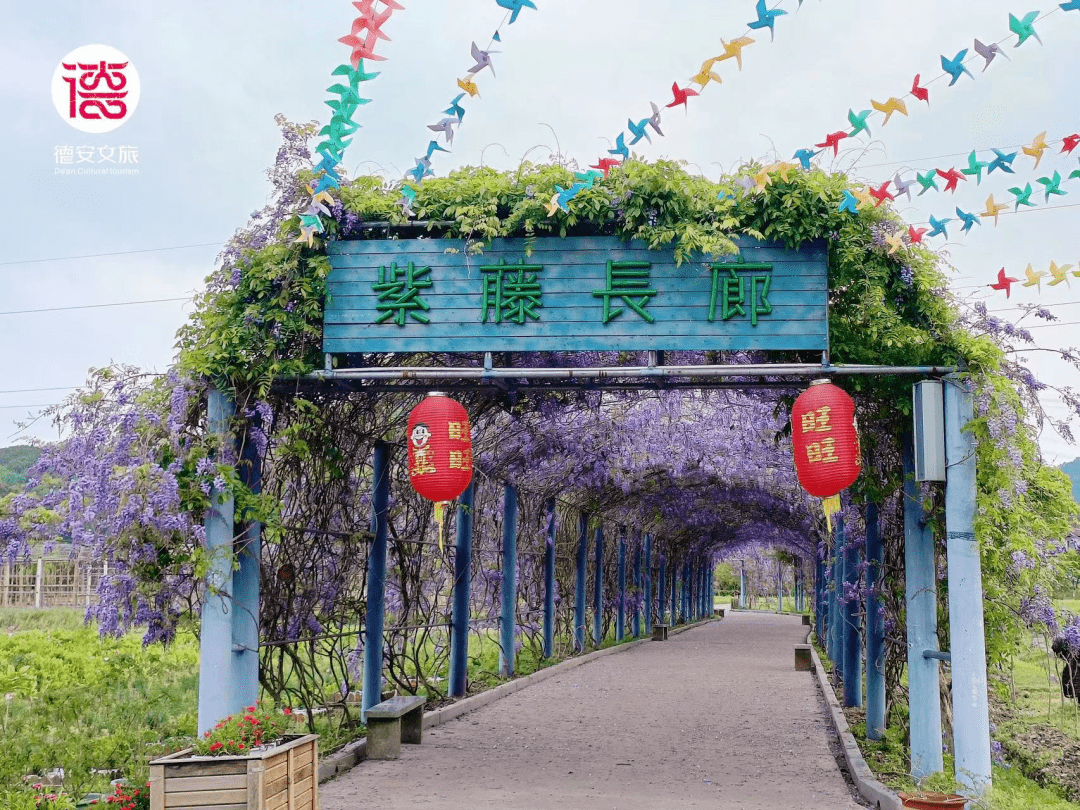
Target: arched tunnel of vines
661, 475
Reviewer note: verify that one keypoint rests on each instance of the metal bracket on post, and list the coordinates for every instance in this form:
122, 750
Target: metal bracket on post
940, 656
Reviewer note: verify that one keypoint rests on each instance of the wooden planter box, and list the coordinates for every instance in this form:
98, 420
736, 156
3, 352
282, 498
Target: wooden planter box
283, 778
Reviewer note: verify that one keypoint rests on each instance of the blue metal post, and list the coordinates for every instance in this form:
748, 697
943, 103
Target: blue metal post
779, 587
245, 613
967, 642
459, 633
673, 575
819, 597
579, 581
699, 583
216, 637
836, 648
875, 628
598, 588
648, 585
620, 615
508, 617
376, 579
549, 583
662, 592
706, 611
639, 587
695, 590
685, 591
744, 603
920, 585
852, 632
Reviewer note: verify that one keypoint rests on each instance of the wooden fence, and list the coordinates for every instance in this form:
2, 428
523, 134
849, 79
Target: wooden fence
50, 581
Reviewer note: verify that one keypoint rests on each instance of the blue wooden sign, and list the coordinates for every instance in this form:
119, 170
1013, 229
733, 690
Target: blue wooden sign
571, 294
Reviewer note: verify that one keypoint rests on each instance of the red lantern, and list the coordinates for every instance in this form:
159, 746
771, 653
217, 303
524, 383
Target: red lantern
440, 448
825, 433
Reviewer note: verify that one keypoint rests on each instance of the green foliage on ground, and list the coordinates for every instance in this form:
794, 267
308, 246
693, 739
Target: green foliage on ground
82, 702
14, 462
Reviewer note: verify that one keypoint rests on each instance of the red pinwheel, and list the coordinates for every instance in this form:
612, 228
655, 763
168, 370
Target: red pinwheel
1068, 143
832, 140
921, 93
362, 48
681, 95
1004, 282
881, 194
605, 165
952, 176
915, 234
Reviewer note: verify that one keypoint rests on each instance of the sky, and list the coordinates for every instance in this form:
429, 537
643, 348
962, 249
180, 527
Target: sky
568, 75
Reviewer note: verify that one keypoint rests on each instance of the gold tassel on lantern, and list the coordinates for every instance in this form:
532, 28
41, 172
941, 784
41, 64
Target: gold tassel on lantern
439, 507
830, 506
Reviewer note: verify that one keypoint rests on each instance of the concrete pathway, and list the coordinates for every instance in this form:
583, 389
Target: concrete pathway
716, 717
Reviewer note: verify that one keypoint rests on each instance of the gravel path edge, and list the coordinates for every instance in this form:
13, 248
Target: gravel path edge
869, 788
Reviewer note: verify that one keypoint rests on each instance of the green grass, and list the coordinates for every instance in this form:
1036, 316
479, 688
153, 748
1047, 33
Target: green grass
770, 603
1071, 605
888, 759
81, 702
14, 620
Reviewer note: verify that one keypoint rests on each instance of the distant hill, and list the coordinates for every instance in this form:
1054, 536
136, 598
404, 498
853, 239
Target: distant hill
14, 462
1072, 469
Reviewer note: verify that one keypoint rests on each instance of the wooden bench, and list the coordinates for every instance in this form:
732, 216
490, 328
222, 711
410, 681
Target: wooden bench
393, 722
659, 632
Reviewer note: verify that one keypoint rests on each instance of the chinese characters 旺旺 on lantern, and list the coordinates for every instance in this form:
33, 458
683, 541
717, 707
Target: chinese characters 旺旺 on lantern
440, 451
825, 434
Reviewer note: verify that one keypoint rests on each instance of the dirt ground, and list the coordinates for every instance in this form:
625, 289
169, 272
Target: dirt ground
716, 717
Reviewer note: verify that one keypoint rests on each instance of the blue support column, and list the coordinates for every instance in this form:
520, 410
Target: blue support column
744, 603
694, 591
459, 634
703, 586
673, 575
620, 615
376, 579
852, 632
662, 592
685, 600
216, 636
598, 589
819, 598
836, 647
699, 584
920, 585
779, 586
246, 585
648, 585
967, 642
508, 616
579, 582
639, 587
549, 583
875, 628
459, 638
